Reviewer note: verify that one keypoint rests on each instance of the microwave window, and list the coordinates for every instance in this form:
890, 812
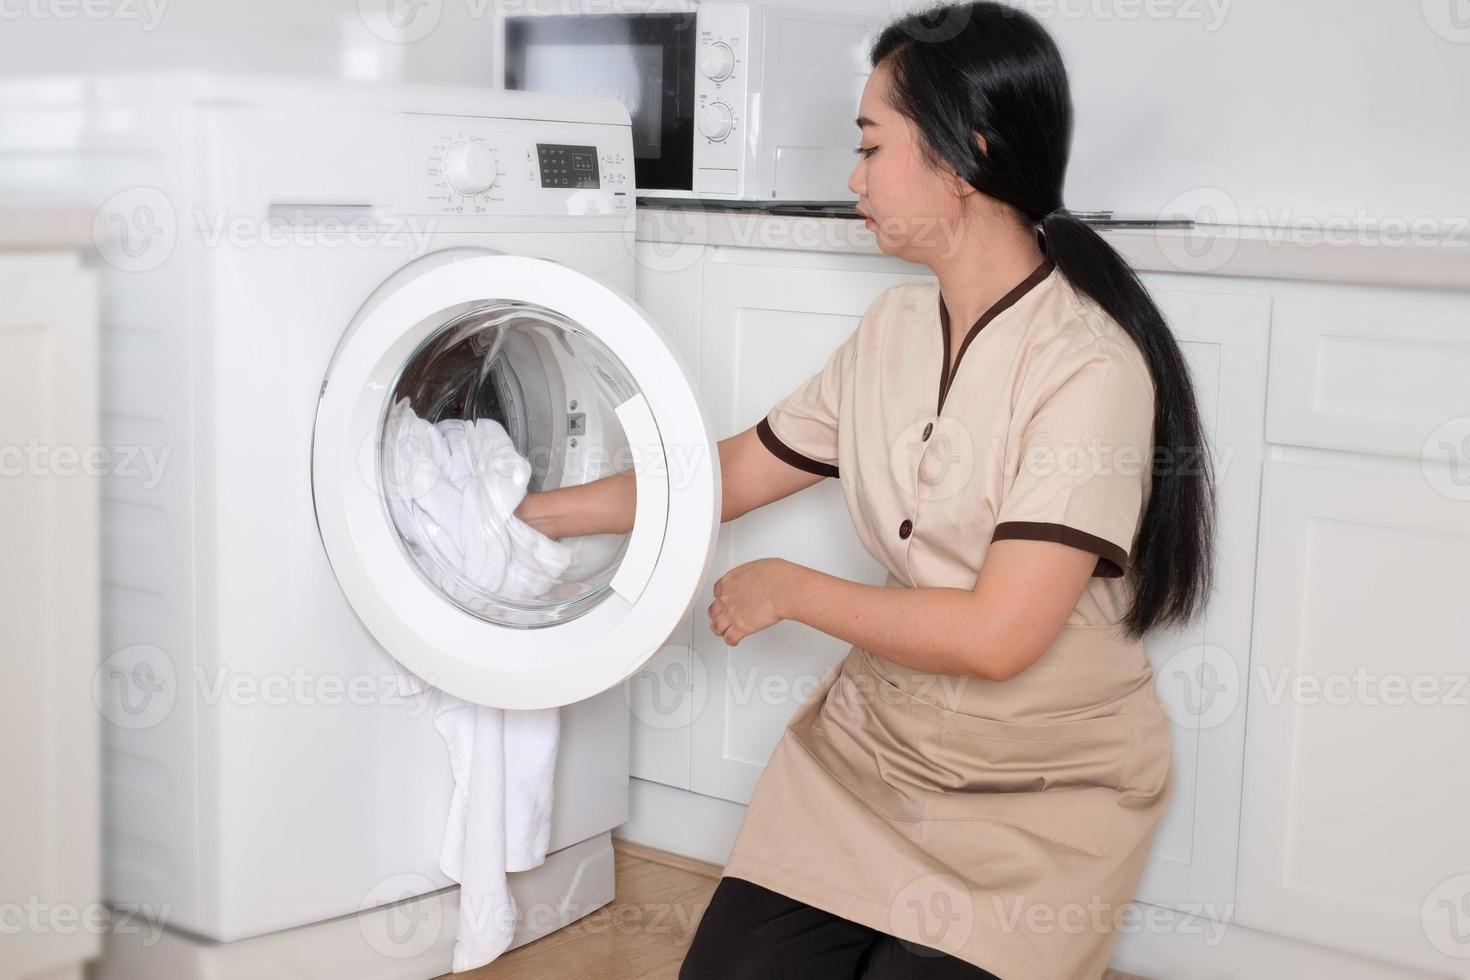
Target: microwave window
645, 60
630, 73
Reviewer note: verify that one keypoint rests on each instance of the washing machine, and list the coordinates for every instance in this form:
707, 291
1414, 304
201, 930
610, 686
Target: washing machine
282, 264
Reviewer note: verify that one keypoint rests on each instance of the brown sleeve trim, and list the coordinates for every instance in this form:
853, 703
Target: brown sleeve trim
788, 455
1112, 559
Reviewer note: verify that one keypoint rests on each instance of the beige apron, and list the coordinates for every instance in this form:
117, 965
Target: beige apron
1004, 823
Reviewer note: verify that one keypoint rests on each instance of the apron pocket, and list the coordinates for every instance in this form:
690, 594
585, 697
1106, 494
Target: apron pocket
882, 757
1060, 780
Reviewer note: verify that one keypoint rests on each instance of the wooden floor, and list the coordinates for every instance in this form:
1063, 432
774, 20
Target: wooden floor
642, 935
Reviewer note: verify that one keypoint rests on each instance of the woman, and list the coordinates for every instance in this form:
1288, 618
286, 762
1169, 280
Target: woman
973, 790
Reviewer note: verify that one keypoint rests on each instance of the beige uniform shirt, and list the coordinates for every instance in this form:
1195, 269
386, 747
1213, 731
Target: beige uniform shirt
1005, 823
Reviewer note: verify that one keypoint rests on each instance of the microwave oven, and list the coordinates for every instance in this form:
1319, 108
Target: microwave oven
729, 101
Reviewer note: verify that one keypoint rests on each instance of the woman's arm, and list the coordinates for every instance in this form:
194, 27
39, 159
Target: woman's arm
751, 477
1021, 600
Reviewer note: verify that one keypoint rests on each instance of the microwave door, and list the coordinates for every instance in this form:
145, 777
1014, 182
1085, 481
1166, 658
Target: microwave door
645, 60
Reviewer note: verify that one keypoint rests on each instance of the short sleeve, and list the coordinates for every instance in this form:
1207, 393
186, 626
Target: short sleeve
801, 429
1085, 462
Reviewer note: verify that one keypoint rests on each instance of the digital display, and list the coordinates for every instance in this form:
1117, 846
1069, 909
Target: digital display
568, 166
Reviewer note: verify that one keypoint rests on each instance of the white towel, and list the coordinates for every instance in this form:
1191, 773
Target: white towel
453, 490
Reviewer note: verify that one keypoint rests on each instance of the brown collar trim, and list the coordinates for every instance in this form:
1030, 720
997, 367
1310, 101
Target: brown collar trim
946, 377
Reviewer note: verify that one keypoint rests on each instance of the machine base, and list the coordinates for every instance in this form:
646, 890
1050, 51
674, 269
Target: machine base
409, 940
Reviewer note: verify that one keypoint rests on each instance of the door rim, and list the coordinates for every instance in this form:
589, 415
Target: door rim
470, 658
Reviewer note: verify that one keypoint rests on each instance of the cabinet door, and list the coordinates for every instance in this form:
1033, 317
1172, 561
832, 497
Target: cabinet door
1200, 670
50, 823
767, 329
661, 695
1357, 790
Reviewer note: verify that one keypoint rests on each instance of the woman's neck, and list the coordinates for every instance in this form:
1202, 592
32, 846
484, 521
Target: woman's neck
980, 270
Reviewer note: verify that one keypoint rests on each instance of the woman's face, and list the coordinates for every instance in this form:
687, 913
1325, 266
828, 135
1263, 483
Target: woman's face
913, 210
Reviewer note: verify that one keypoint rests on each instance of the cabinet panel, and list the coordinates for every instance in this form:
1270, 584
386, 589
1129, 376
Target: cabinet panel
1200, 670
767, 329
1370, 369
662, 694
1357, 794
49, 459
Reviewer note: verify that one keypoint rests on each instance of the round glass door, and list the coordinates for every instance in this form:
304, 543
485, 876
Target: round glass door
507, 398
466, 381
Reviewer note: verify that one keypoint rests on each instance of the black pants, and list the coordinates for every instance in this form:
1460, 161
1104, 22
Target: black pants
752, 933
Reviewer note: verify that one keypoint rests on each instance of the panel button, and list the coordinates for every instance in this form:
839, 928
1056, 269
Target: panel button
905, 529
928, 431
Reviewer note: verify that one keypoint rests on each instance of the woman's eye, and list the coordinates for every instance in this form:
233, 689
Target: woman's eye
865, 151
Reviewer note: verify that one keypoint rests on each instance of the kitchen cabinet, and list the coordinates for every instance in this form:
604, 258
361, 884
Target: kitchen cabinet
1357, 795
1319, 703
1200, 670
769, 319
50, 823
766, 329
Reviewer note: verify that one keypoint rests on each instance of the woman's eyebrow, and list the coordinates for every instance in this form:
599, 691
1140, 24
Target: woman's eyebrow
864, 122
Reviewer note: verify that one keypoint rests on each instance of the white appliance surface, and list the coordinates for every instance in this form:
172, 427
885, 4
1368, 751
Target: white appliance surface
262, 773
773, 91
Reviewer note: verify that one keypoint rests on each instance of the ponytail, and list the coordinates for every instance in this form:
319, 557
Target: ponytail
1174, 556
993, 69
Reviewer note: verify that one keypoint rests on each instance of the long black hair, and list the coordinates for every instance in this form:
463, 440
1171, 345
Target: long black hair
992, 69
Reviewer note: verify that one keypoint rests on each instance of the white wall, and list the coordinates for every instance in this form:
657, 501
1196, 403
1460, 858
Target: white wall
1265, 111
1238, 111
333, 38
1290, 107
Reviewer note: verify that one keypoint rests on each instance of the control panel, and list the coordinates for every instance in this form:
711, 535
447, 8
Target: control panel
479, 167
568, 166
722, 87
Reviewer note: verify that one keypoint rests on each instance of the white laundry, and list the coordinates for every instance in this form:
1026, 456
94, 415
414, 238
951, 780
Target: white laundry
453, 491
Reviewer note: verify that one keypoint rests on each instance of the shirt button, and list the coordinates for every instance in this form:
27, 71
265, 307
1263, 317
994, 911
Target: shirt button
905, 529
929, 428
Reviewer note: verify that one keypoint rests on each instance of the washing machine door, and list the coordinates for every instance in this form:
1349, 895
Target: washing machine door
458, 357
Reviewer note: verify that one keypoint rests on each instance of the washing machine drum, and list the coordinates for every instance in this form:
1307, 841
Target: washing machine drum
470, 379
504, 376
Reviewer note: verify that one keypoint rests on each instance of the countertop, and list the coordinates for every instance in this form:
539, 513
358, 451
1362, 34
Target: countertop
1333, 255
1226, 250
45, 228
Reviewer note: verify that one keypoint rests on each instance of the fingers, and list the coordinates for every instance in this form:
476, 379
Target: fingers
719, 624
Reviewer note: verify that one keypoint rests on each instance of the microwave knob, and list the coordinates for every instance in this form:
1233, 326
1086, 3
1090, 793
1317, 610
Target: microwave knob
471, 168
718, 61
716, 121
